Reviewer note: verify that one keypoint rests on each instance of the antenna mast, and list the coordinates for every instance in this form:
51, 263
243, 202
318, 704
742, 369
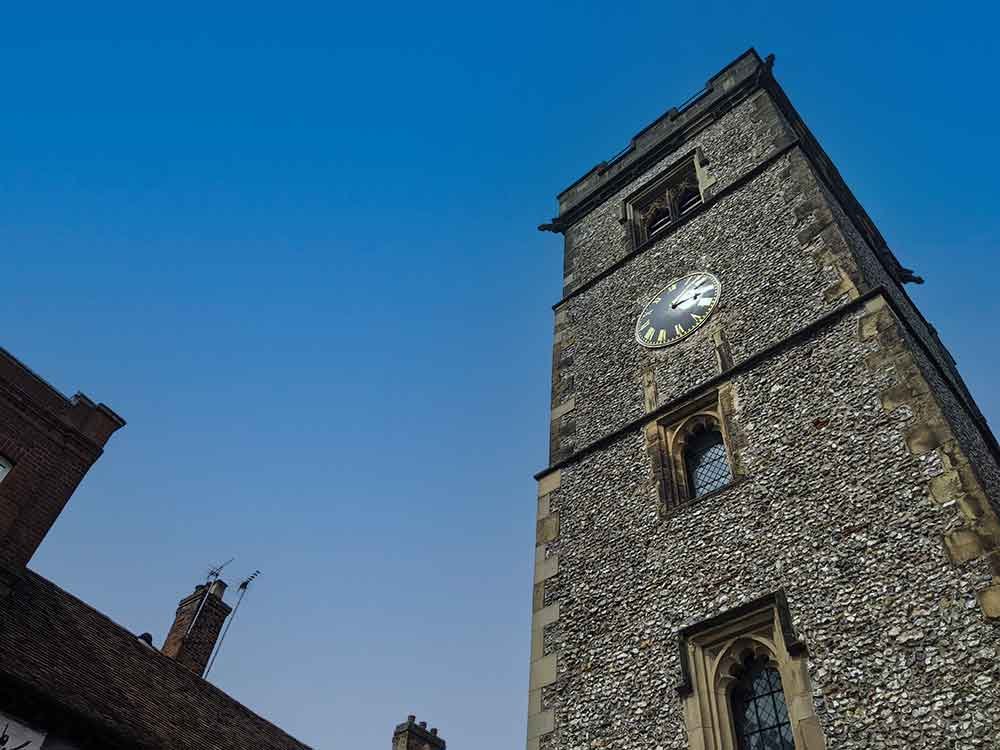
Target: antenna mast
243, 591
213, 575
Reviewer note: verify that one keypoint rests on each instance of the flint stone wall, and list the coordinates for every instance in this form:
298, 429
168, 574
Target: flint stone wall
771, 287
834, 509
955, 406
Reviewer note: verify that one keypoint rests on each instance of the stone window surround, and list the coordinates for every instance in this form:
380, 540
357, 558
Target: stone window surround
710, 653
632, 206
672, 433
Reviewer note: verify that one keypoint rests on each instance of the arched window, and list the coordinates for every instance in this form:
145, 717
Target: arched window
706, 462
760, 715
666, 199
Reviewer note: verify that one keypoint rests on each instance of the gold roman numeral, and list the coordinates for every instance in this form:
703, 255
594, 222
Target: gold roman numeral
697, 317
679, 329
649, 333
662, 337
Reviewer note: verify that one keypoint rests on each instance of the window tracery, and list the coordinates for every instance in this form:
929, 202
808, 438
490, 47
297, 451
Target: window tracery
665, 200
691, 453
745, 681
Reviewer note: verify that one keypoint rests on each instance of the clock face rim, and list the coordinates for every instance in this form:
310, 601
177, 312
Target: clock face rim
660, 293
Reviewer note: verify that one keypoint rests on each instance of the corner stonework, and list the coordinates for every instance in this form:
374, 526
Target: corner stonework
955, 486
544, 613
817, 231
562, 429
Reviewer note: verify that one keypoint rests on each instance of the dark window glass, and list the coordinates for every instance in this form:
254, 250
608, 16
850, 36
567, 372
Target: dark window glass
658, 215
686, 192
706, 462
760, 715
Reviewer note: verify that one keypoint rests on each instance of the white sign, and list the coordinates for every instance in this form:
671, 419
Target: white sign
16, 736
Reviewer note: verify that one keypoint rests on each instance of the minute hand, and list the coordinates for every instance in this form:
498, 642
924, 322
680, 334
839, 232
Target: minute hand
680, 302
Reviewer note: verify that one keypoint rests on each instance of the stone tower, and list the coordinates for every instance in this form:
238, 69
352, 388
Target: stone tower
769, 515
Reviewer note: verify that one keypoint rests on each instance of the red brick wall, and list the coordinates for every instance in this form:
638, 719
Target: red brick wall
193, 649
52, 441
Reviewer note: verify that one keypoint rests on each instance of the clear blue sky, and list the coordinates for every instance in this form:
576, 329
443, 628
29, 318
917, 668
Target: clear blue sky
295, 248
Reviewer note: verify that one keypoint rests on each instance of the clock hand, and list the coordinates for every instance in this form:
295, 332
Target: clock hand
694, 282
680, 302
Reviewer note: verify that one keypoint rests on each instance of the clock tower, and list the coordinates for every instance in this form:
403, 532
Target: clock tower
769, 515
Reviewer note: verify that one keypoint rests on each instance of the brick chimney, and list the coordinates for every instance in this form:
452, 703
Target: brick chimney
47, 444
196, 626
413, 736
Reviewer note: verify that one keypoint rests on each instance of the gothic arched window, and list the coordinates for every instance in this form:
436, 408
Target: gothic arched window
665, 200
760, 715
706, 462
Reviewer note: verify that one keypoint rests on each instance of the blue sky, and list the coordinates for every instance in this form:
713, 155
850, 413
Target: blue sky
294, 246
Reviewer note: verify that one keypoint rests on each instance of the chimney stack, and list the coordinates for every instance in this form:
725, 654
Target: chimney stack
413, 736
196, 627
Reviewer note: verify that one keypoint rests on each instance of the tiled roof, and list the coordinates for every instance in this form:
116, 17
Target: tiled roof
64, 652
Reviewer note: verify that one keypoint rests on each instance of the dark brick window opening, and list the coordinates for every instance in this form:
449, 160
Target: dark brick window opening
706, 462
5, 467
760, 715
662, 203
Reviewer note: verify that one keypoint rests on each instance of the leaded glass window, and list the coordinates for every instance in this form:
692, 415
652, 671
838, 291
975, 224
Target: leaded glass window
760, 716
706, 462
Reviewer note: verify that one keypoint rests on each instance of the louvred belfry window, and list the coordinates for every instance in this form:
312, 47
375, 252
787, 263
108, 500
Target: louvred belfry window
663, 202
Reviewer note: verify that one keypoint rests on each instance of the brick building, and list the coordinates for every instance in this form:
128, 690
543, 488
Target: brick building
769, 518
70, 677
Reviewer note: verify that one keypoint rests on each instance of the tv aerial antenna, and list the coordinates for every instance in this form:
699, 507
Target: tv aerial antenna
216, 570
244, 586
213, 574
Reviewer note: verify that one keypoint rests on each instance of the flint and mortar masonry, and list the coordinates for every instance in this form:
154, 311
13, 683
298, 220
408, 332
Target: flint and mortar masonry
867, 480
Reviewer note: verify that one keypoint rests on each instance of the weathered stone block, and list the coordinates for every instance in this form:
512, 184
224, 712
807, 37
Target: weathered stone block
896, 396
564, 408
962, 545
946, 487
548, 528
549, 483
543, 672
923, 438
541, 723
989, 600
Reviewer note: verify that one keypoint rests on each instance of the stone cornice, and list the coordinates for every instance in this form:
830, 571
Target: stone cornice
730, 86
724, 90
